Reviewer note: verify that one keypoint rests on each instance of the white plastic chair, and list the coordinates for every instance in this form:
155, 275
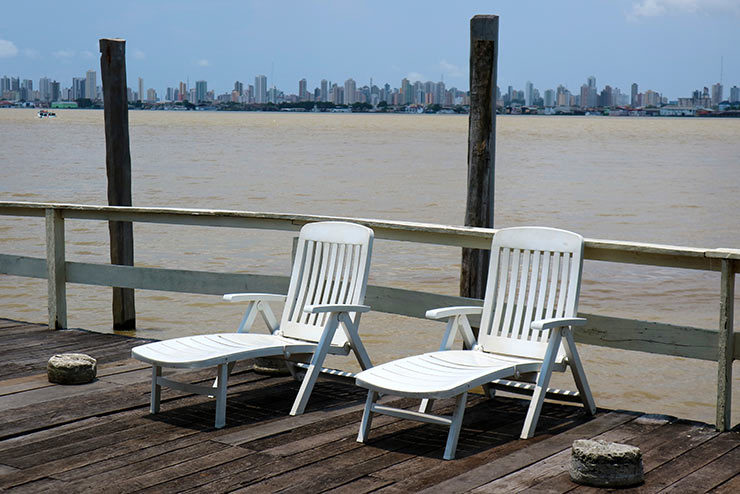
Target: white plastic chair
529, 309
327, 289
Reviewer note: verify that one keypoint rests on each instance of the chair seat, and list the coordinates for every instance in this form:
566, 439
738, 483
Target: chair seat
442, 374
208, 350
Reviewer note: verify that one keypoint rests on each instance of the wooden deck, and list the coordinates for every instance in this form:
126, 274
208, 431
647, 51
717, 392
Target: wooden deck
100, 437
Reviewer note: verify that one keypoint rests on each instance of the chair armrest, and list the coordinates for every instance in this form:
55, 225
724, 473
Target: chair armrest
254, 297
319, 308
453, 311
557, 322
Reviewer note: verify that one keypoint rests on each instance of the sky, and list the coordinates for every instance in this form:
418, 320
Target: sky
670, 46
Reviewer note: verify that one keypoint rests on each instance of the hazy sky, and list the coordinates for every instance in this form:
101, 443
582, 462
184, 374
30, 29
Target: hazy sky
671, 46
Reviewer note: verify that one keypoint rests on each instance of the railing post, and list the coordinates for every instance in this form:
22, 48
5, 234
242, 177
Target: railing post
481, 148
726, 345
55, 269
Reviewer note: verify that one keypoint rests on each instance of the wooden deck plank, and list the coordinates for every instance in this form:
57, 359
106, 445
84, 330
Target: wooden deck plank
101, 437
362, 485
522, 458
709, 476
105, 457
654, 445
671, 472
99, 402
37, 381
554, 465
732, 486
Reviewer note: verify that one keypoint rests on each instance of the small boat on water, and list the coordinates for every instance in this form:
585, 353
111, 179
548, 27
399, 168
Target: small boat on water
46, 114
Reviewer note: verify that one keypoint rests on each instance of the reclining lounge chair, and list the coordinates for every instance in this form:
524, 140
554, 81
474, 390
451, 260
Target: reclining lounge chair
529, 309
327, 289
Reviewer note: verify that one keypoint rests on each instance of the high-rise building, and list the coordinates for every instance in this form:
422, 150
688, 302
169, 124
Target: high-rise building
716, 94
407, 95
324, 95
735, 94
91, 79
439, 93
151, 95
44, 89
260, 89
141, 89
350, 88
549, 98
563, 96
273, 95
528, 94
55, 91
239, 88
633, 95
302, 90
337, 95
4, 85
606, 99
651, 98
78, 88
170, 94
591, 94
183, 91
201, 90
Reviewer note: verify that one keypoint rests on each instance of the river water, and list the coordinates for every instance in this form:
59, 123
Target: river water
670, 181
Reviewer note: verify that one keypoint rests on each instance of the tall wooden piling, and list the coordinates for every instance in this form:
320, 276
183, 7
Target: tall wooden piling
481, 148
118, 169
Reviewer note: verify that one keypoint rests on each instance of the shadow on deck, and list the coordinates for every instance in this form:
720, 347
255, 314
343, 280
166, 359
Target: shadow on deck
100, 437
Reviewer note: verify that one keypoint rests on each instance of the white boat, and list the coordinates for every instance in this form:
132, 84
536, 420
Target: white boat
46, 114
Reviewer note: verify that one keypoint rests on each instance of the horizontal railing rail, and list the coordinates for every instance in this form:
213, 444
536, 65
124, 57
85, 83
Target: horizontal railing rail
622, 333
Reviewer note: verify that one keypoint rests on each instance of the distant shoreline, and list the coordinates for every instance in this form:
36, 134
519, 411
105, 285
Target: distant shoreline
726, 114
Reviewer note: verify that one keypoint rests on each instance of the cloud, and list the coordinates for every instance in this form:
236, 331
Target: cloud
451, 69
7, 49
87, 54
203, 62
64, 54
139, 55
415, 76
656, 8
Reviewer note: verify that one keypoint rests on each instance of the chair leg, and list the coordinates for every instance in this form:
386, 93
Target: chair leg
156, 389
579, 374
312, 375
367, 416
228, 373
426, 405
454, 434
540, 389
314, 369
223, 377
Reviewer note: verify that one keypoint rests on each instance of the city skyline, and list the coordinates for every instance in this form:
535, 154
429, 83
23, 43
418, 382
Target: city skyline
350, 92
674, 45
408, 93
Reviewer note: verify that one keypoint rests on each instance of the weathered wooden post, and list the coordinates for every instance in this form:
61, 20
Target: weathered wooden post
118, 169
726, 347
55, 269
481, 148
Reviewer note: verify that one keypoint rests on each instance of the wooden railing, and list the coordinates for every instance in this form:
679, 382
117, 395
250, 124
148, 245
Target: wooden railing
623, 333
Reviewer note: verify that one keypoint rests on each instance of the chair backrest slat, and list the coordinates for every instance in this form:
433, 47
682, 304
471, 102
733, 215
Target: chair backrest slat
534, 274
331, 267
530, 303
